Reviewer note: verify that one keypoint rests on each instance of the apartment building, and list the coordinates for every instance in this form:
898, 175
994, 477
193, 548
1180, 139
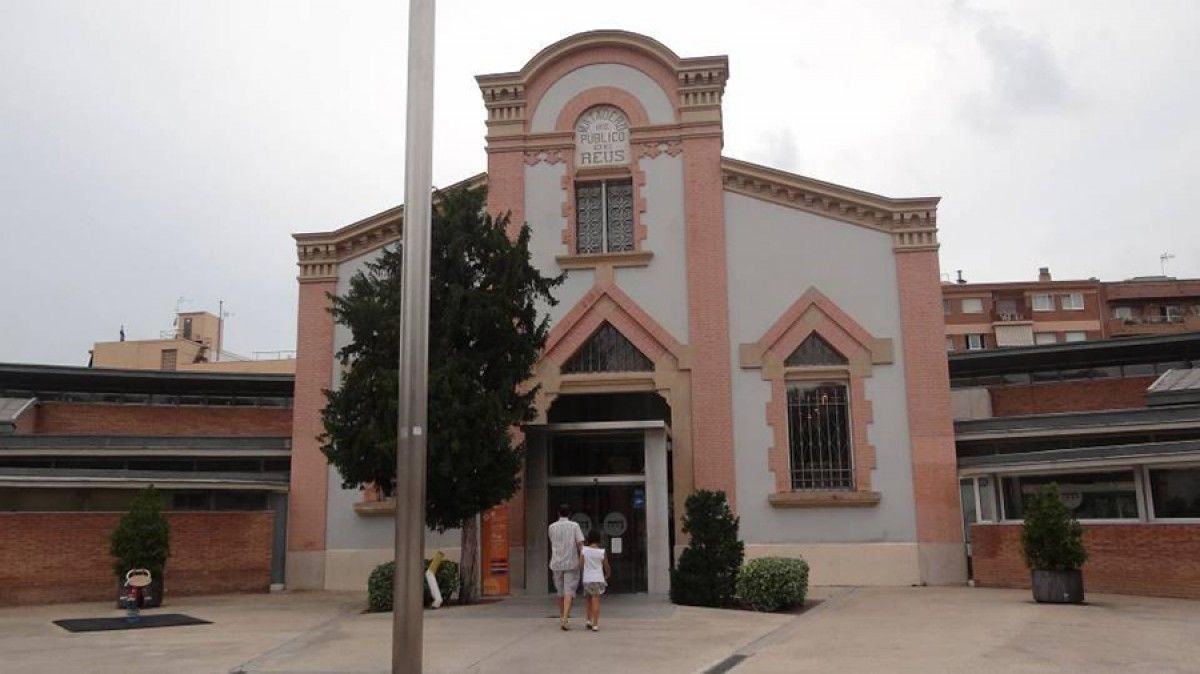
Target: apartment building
983, 316
992, 315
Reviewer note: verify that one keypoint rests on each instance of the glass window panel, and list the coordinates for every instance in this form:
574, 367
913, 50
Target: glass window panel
1175, 492
972, 305
239, 500
620, 216
583, 455
607, 350
814, 350
1045, 338
1089, 496
986, 513
1043, 302
1076, 336
819, 436
589, 218
1072, 302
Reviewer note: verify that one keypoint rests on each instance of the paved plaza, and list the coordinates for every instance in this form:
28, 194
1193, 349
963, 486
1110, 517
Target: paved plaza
847, 630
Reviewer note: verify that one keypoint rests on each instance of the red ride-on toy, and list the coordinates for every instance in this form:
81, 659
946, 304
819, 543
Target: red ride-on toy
137, 584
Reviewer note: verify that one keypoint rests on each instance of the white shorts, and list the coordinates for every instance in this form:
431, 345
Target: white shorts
566, 583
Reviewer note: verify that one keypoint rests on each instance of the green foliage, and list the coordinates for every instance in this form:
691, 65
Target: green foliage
485, 337
708, 567
142, 539
773, 583
1051, 539
381, 584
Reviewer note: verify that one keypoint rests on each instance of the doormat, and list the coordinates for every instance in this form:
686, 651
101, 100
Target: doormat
102, 624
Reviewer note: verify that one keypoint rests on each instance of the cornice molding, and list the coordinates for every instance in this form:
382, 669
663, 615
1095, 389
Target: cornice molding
318, 254
912, 222
700, 80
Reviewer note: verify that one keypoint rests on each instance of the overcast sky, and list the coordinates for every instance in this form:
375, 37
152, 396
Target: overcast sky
162, 149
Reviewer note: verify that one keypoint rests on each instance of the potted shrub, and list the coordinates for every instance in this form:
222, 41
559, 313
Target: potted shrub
1052, 543
708, 567
142, 541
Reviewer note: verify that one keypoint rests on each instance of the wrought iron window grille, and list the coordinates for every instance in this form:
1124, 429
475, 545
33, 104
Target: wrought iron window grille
604, 216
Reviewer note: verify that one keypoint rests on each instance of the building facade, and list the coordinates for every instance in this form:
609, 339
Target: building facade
193, 344
1116, 425
722, 325
77, 443
983, 316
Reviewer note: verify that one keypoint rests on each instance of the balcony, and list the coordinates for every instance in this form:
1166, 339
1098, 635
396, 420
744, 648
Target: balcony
1011, 317
1153, 325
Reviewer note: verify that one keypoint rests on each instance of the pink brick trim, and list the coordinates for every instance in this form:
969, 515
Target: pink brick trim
608, 302
815, 313
633, 109
708, 316
543, 78
314, 374
506, 187
590, 98
927, 380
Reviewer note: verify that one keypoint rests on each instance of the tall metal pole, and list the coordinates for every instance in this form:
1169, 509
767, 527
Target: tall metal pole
414, 344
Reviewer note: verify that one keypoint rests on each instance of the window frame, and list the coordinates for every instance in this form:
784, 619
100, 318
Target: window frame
1140, 495
797, 381
1068, 340
1042, 338
605, 241
1148, 502
1067, 302
982, 341
1048, 301
963, 305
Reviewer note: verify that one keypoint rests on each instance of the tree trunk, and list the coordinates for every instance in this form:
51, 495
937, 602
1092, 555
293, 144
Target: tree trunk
468, 567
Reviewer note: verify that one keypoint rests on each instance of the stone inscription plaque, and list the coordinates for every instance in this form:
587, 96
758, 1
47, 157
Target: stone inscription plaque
602, 138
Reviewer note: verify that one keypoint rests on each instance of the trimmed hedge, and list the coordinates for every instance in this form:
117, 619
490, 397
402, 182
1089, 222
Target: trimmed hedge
380, 586
773, 583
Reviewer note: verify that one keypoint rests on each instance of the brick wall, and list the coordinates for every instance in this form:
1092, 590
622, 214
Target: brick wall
63, 556
1070, 396
115, 419
1160, 560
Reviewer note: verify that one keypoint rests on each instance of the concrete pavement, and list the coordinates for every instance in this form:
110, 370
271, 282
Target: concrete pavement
853, 630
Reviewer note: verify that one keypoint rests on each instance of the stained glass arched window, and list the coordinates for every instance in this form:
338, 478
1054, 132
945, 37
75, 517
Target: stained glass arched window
814, 350
607, 350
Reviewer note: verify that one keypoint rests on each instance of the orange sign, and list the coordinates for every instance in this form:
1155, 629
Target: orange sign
494, 550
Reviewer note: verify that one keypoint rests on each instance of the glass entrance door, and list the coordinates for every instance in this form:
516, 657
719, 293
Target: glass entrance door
619, 512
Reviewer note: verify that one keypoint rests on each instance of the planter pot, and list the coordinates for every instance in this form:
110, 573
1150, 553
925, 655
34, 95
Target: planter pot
153, 593
1058, 587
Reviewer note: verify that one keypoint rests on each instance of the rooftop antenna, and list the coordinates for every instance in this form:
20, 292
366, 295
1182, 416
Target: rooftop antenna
221, 316
1164, 259
179, 302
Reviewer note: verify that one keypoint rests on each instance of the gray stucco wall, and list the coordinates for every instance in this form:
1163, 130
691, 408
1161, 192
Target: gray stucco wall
775, 254
543, 212
345, 529
661, 287
652, 97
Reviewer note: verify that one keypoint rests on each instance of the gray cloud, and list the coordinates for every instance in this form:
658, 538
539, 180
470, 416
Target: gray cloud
1023, 72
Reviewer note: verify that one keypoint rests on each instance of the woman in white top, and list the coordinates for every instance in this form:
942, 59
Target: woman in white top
594, 563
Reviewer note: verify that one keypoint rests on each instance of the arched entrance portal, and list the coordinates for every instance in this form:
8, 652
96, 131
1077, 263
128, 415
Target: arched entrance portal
607, 456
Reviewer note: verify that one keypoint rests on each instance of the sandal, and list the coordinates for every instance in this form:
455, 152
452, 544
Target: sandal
564, 624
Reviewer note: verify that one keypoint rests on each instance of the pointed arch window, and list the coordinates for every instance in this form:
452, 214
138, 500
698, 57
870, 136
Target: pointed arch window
607, 350
814, 350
